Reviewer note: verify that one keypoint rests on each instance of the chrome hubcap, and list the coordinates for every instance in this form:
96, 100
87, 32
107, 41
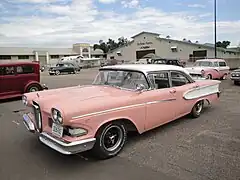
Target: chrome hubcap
33, 89
199, 107
112, 138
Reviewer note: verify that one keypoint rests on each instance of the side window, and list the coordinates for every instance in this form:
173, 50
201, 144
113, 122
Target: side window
215, 64
160, 80
178, 79
222, 64
25, 69
4, 71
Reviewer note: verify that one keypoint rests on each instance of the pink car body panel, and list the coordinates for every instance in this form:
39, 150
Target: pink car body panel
92, 106
146, 110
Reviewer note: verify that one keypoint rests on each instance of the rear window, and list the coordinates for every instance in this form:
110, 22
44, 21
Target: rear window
8, 70
222, 64
25, 69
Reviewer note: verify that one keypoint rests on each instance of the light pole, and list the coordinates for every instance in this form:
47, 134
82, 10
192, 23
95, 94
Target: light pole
215, 28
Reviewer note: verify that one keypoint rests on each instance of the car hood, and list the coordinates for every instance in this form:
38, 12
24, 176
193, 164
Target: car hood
80, 100
196, 69
236, 70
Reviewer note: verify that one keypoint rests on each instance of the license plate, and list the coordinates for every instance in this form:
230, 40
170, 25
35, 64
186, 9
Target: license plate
57, 130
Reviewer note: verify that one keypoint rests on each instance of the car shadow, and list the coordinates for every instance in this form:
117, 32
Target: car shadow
10, 100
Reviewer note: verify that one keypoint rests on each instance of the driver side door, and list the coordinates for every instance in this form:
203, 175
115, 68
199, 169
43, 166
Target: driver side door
161, 102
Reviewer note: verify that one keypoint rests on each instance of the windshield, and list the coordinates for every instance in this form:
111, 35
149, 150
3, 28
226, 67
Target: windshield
121, 78
60, 65
203, 63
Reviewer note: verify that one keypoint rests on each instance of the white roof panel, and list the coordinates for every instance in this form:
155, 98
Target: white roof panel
146, 67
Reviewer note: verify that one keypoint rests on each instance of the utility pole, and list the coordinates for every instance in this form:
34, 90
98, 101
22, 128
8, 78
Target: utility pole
215, 28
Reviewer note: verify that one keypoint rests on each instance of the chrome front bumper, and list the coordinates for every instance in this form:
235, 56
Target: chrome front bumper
59, 145
235, 78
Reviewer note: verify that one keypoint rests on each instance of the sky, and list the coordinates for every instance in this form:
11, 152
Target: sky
61, 23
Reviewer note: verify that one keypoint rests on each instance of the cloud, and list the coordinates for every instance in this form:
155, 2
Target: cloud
196, 5
130, 3
82, 21
107, 1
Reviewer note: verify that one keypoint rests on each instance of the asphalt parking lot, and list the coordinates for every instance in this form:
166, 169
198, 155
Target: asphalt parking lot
206, 148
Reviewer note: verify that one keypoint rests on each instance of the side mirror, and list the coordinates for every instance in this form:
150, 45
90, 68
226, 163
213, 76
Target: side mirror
140, 87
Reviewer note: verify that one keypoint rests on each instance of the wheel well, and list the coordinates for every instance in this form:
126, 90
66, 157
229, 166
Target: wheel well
34, 84
129, 125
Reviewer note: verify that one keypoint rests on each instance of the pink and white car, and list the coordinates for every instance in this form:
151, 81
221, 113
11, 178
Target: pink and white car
122, 98
209, 69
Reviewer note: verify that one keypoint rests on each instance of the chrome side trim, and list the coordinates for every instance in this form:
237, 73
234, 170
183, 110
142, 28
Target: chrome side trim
121, 108
160, 101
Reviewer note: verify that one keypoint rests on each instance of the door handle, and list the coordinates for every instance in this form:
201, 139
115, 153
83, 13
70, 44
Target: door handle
172, 91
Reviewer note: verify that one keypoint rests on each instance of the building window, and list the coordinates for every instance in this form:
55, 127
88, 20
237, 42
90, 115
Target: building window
25, 69
174, 49
23, 57
85, 50
54, 56
4, 57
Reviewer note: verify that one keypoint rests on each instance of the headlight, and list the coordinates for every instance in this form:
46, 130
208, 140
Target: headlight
202, 71
24, 100
57, 116
77, 131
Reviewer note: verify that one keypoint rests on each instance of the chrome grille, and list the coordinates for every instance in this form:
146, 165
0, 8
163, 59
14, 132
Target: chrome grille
38, 116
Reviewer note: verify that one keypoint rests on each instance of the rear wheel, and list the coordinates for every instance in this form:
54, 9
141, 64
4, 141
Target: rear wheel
33, 88
209, 76
197, 109
110, 140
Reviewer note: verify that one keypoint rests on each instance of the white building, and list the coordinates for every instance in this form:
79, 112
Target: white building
146, 44
50, 55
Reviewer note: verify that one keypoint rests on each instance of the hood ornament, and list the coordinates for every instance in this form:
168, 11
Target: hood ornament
38, 95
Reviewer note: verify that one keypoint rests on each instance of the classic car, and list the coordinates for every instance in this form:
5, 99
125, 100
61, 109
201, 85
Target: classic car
175, 62
235, 76
17, 78
122, 98
64, 67
209, 68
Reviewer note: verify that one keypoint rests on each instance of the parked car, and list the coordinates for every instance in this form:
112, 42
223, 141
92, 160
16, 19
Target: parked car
61, 68
235, 76
210, 69
175, 62
17, 78
122, 98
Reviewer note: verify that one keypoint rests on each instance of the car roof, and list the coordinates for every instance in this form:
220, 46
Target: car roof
6, 63
145, 68
213, 60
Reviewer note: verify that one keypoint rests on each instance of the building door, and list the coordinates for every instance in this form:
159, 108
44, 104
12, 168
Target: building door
199, 54
141, 54
42, 60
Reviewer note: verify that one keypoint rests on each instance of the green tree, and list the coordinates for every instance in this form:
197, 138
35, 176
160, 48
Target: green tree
223, 44
111, 44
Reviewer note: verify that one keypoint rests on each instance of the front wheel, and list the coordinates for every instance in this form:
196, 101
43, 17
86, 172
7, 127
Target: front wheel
236, 82
197, 109
110, 140
57, 73
224, 77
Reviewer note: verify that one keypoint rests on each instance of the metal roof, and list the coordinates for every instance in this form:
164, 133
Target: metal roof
31, 51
